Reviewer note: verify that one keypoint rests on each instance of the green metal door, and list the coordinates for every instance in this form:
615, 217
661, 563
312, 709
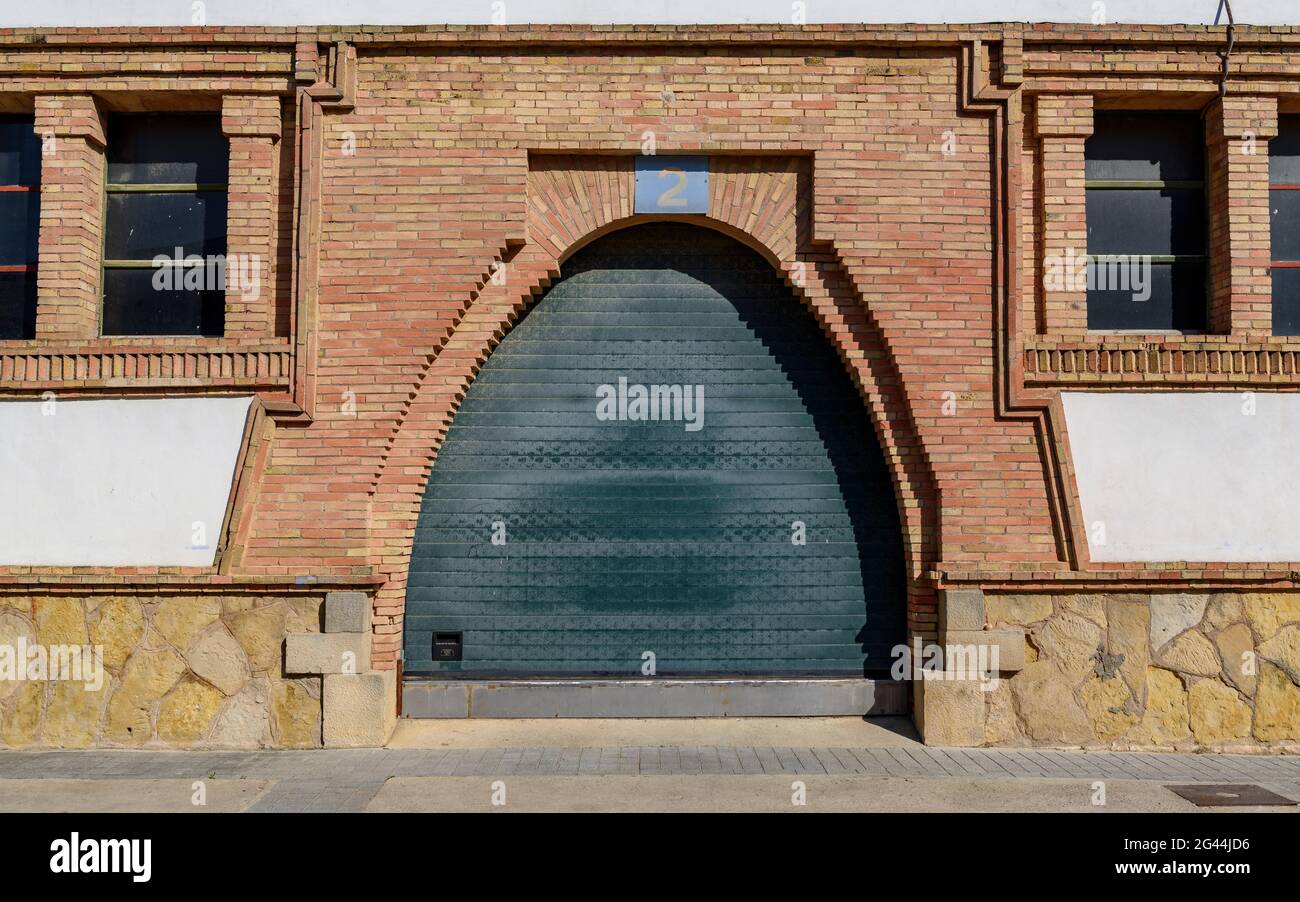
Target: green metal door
568, 529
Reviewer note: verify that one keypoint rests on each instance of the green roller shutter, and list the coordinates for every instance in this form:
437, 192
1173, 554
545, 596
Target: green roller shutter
617, 537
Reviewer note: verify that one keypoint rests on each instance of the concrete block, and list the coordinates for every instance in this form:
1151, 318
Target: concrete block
1009, 641
686, 698
435, 699
358, 710
347, 612
345, 653
949, 712
961, 609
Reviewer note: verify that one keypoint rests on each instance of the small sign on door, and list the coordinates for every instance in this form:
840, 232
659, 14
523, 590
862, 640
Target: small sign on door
675, 184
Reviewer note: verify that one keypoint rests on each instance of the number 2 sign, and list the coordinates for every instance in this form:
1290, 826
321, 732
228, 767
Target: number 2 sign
676, 184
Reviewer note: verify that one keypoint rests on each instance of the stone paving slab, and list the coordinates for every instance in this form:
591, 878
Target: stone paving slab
770, 793
357, 767
114, 796
350, 779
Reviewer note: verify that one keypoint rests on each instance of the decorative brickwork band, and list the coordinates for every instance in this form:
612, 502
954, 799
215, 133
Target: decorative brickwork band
1063, 124
72, 216
252, 122
1237, 131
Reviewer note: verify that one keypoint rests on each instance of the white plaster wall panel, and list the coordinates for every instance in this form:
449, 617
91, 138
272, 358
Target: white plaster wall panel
87, 13
116, 482
1187, 476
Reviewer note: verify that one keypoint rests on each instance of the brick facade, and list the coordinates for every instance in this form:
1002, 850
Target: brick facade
412, 191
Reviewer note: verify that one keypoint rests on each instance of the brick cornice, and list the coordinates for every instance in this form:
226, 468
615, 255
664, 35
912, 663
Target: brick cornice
1185, 576
166, 581
908, 34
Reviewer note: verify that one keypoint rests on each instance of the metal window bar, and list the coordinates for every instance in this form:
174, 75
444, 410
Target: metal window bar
1175, 185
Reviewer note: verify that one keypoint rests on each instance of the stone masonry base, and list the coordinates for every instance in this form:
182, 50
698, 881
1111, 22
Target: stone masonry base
1168, 671
1129, 671
179, 672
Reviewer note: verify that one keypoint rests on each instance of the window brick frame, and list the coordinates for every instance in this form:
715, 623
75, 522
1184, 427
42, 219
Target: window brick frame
1238, 128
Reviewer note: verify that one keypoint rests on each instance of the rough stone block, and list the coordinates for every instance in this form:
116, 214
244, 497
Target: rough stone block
950, 712
1010, 643
961, 609
343, 653
359, 710
347, 612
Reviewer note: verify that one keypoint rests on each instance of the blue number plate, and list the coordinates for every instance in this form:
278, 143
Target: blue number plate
672, 184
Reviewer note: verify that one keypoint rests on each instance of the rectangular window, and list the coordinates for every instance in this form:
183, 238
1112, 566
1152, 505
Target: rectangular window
20, 205
1284, 202
1145, 187
165, 205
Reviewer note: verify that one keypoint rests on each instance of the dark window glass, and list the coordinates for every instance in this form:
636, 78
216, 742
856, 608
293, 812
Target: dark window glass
17, 304
1157, 297
166, 190
1284, 203
1146, 207
20, 211
19, 227
1146, 146
141, 226
20, 152
1286, 300
1137, 221
167, 149
138, 302
1284, 152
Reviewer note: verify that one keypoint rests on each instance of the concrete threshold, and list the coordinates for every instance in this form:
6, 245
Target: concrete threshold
741, 697
669, 732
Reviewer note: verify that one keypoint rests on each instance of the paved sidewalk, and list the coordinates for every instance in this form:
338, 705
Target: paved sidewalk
351, 780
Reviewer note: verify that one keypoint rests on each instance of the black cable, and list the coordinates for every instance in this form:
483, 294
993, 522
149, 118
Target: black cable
1232, 40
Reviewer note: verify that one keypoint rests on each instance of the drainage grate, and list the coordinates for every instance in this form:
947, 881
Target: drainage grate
1214, 795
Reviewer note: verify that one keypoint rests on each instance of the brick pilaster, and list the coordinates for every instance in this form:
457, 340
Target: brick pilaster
1063, 124
1237, 131
253, 125
68, 285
